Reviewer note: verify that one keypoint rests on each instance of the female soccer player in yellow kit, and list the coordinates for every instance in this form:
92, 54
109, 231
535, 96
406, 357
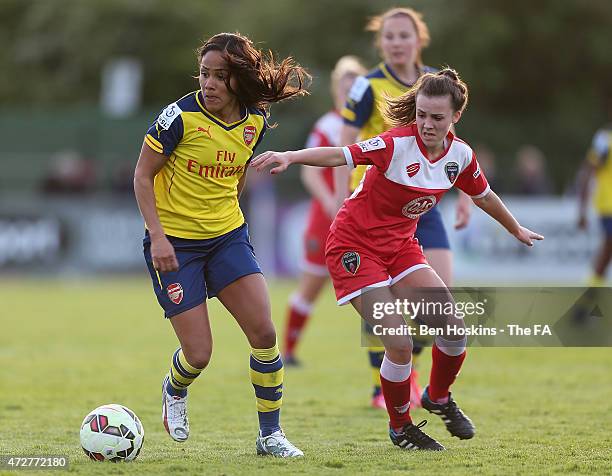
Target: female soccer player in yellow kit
191, 171
599, 164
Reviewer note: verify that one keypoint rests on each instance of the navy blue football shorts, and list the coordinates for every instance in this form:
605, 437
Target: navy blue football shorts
205, 268
431, 232
606, 224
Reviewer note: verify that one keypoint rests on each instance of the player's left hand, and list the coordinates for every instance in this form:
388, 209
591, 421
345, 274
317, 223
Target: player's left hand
463, 213
525, 235
269, 158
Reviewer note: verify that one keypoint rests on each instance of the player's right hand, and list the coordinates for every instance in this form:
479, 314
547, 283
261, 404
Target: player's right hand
163, 255
270, 158
582, 222
526, 236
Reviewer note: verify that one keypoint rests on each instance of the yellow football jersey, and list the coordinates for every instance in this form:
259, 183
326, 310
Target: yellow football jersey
196, 191
365, 102
600, 155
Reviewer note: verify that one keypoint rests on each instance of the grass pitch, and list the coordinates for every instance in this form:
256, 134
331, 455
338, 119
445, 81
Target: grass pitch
67, 347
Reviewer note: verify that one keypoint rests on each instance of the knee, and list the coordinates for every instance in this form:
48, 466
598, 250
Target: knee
263, 338
454, 329
400, 352
198, 358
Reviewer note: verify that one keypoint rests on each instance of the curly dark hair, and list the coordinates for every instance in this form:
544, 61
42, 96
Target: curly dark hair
260, 80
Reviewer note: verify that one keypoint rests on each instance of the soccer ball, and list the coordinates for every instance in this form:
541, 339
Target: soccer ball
112, 433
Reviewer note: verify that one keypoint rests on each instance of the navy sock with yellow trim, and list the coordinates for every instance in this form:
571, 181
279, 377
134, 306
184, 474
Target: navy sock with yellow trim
267, 378
182, 374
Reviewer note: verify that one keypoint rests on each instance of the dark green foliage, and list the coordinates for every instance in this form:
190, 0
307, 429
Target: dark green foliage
539, 72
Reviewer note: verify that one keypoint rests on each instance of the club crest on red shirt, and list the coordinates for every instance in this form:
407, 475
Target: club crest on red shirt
351, 261
249, 134
452, 170
175, 292
413, 169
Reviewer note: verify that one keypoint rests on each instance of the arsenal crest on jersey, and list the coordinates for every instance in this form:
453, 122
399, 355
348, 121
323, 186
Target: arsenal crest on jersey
175, 292
249, 134
452, 171
351, 261
412, 169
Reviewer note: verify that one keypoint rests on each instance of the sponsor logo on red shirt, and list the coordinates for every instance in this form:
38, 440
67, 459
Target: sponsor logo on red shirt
417, 207
412, 169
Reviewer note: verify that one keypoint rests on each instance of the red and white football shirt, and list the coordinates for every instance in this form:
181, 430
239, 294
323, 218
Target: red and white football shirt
380, 217
325, 133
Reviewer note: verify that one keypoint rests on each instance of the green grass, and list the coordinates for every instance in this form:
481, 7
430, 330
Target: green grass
67, 347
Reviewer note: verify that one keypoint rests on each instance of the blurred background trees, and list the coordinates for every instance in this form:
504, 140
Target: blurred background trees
539, 72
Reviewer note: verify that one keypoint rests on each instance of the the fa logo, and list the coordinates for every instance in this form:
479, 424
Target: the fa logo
351, 261
452, 171
249, 134
376, 143
205, 131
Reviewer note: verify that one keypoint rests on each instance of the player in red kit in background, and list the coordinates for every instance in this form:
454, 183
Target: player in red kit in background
323, 208
371, 252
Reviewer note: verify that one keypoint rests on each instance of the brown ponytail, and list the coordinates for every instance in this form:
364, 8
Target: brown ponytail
259, 78
401, 111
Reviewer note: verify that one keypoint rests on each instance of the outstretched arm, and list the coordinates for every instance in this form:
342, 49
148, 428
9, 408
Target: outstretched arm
495, 208
342, 175
317, 156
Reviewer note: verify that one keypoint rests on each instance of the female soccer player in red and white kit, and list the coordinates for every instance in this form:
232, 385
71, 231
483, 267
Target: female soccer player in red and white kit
371, 252
401, 36
323, 208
